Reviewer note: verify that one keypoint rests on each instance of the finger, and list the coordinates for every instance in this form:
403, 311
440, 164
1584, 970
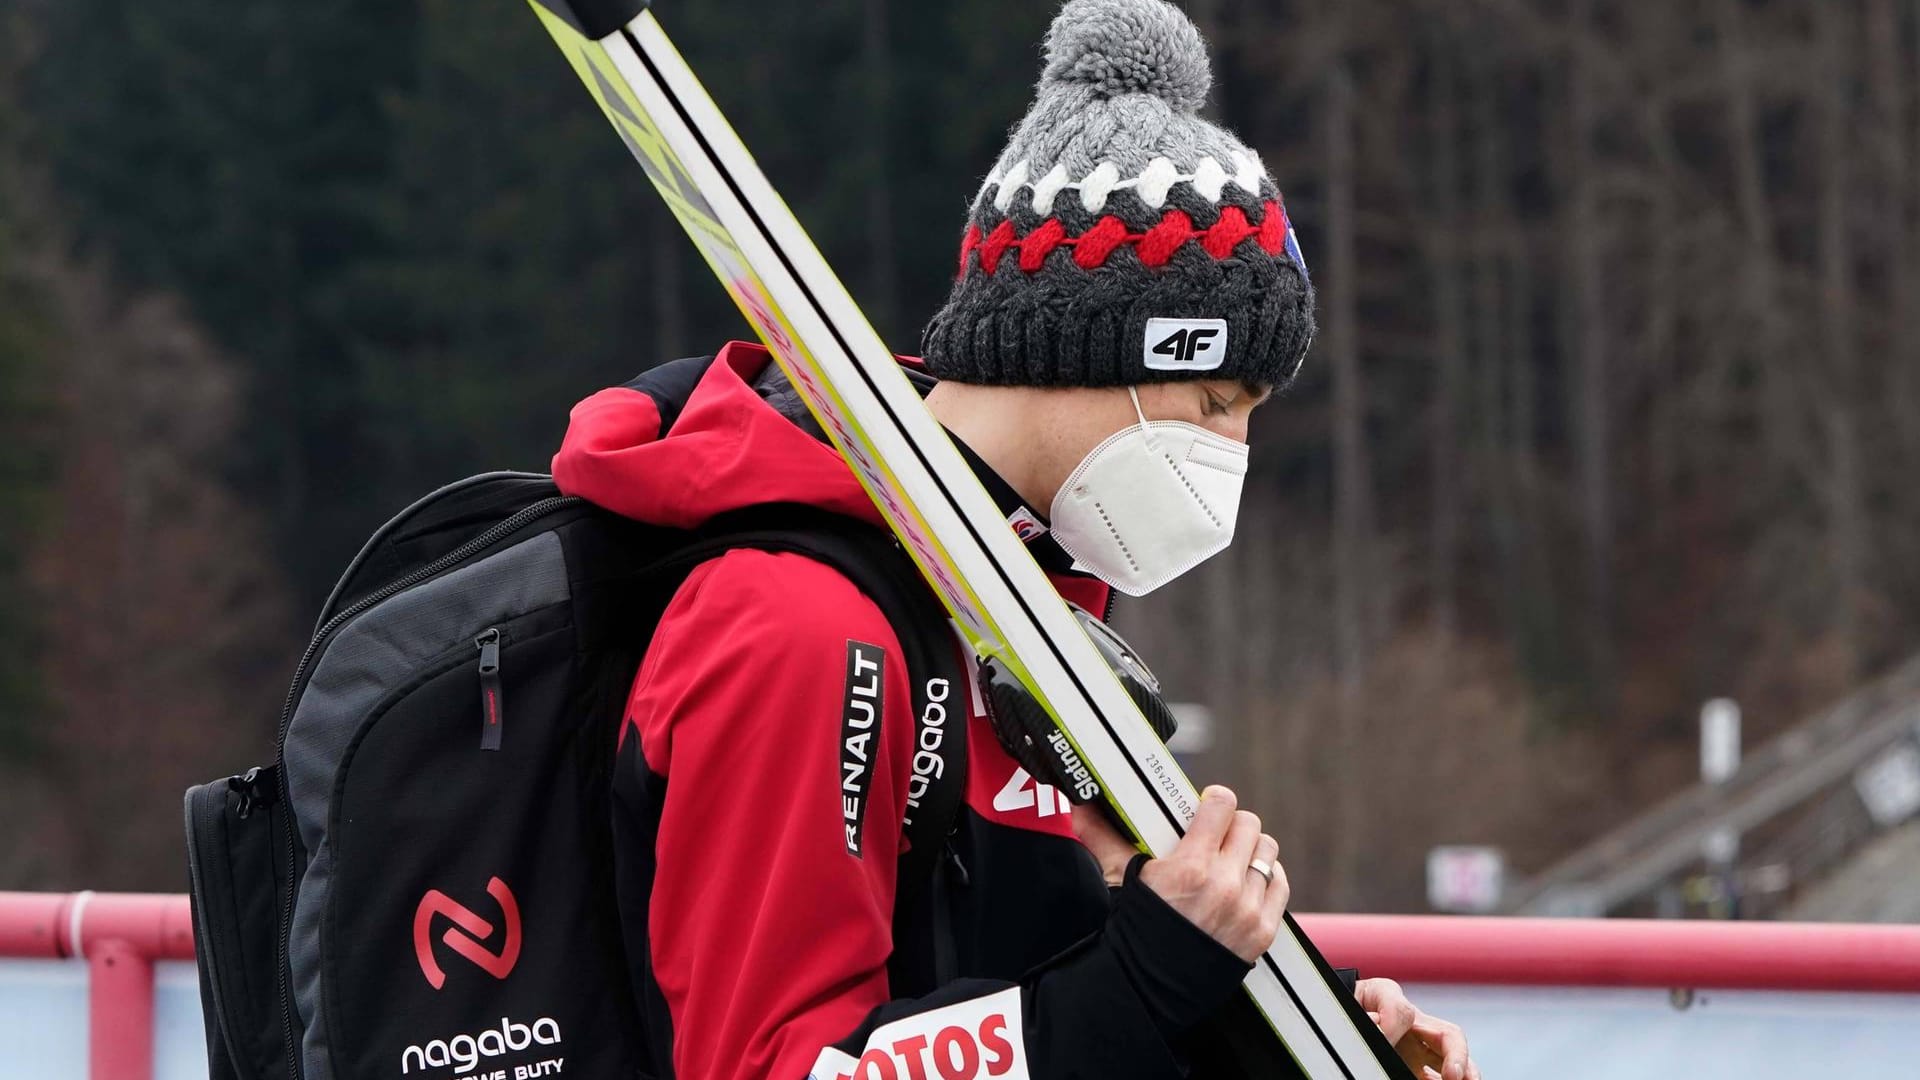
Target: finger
1385, 999
1266, 850
1389, 1024
1414, 1052
1211, 821
1448, 1042
1242, 836
1273, 906
1427, 1073
1110, 849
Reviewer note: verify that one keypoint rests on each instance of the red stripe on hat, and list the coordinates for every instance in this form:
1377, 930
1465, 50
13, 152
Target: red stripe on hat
1156, 246
997, 244
967, 246
1097, 243
1040, 243
1161, 241
1273, 229
1227, 233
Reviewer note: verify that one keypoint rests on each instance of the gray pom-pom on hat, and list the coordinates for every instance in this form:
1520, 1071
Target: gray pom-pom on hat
1115, 206
1130, 47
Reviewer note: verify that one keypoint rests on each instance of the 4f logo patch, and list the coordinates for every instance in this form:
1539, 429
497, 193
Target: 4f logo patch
1023, 792
1002, 792
859, 737
1186, 344
466, 934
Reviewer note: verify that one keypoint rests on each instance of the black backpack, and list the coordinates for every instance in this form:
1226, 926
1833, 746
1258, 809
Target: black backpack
424, 883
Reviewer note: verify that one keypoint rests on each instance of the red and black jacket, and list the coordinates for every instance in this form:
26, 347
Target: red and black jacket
765, 942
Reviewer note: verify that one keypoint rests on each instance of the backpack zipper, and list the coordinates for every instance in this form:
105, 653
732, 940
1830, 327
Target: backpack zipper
253, 789
396, 521
433, 569
493, 710
468, 550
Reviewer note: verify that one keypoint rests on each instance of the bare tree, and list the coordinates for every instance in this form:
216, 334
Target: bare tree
1590, 344
1894, 143
883, 294
669, 303
1845, 497
172, 618
1441, 244
1491, 268
1759, 262
1656, 28
1353, 515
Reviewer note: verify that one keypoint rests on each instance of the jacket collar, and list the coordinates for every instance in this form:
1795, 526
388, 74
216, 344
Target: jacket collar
1029, 524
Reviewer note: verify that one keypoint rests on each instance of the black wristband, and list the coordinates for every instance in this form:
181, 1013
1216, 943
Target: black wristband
1181, 974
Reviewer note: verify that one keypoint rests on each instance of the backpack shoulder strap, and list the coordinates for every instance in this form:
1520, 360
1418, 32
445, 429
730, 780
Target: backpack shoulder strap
874, 561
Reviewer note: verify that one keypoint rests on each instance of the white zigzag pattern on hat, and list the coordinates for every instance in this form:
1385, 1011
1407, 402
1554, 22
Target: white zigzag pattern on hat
1209, 179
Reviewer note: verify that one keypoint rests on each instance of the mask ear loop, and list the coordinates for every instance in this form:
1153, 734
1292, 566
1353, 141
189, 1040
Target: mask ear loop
1145, 430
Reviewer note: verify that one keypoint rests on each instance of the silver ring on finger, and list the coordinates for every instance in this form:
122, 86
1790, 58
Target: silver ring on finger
1263, 868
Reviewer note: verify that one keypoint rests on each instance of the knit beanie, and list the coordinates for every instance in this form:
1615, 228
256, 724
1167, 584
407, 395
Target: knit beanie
1121, 239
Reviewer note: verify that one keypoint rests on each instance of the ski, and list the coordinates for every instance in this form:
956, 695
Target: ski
995, 591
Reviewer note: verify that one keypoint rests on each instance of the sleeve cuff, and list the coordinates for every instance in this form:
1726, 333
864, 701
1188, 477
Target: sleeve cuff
1180, 973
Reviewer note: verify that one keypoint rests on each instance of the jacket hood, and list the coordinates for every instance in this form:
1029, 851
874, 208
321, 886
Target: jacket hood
695, 438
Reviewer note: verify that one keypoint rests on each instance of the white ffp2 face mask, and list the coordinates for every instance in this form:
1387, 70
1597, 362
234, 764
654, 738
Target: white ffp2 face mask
1151, 502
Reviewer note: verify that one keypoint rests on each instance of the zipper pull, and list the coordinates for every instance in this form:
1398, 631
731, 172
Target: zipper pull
492, 708
952, 855
255, 788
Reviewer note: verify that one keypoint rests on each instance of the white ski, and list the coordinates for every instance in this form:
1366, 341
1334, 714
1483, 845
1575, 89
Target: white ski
929, 495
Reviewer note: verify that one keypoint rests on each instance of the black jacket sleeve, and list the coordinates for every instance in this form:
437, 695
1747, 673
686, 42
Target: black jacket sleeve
1115, 1006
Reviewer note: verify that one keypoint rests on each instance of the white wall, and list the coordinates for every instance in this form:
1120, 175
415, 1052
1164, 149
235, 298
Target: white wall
43, 1021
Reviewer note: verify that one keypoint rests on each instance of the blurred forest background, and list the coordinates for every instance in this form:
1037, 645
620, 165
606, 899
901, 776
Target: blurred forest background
1616, 405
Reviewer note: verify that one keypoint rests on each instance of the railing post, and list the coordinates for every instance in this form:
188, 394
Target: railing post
119, 1011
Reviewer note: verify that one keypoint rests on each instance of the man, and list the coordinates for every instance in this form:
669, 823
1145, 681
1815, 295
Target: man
1128, 294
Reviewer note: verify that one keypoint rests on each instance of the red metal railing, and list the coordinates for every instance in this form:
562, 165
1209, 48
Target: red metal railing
122, 935
1656, 953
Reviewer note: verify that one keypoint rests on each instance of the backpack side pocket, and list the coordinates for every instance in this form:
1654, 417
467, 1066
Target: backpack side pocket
231, 855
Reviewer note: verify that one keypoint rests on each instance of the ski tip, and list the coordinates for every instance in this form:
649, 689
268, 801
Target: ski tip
596, 19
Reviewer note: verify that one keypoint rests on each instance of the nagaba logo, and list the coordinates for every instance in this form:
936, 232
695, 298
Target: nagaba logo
464, 937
